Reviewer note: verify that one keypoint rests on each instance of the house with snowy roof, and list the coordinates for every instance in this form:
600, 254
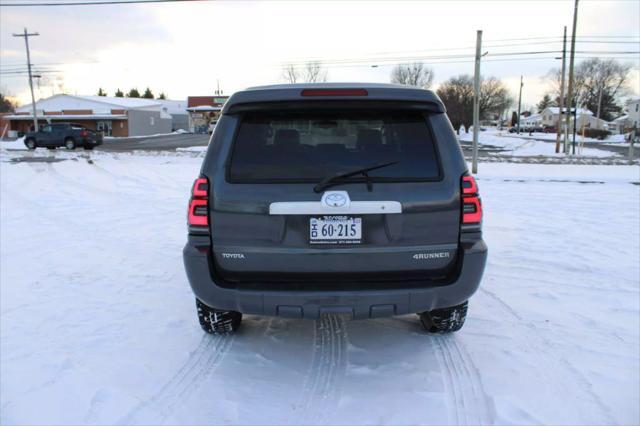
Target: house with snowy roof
584, 118
110, 115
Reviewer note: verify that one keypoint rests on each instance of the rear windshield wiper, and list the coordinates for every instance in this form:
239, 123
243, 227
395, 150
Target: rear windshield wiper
333, 180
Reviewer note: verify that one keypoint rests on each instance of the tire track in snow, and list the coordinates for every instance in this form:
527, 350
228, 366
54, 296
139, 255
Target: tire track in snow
199, 366
537, 344
323, 385
467, 402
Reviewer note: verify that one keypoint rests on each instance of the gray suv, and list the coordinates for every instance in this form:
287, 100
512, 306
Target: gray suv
349, 199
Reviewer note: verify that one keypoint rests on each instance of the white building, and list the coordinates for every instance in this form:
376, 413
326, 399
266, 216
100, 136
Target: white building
110, 115
619, 125
584, 118
534, 120
633, 111
178, 112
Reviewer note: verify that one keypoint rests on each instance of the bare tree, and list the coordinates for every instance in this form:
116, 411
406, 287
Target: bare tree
6, 104
290, 74
494, 98
314, 73
457, 96
598, 85
415, 74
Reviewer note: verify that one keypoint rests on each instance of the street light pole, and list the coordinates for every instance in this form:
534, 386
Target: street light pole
561, 101
571, 61
476, 103
26, 36
520, 103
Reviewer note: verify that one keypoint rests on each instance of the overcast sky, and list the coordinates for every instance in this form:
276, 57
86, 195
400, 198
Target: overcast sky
184, 48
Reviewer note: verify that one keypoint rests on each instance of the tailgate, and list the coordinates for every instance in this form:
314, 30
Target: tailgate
400, 218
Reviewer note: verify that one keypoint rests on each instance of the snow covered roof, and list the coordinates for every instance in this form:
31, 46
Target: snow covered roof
123, 102
68, 117
204, 108
532, 117
173, 107
556, 110
69, 102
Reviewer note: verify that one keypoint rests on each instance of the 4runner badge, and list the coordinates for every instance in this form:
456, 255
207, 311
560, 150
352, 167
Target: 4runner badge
436, 255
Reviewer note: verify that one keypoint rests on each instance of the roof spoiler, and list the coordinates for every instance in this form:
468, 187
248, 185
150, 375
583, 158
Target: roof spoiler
342, 104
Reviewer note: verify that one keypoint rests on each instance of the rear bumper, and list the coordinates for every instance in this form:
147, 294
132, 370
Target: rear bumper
311, 304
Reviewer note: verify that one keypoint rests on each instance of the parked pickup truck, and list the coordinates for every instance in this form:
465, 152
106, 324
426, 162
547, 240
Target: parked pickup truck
68, 135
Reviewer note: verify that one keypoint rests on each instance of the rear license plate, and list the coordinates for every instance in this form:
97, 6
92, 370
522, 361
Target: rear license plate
335, 229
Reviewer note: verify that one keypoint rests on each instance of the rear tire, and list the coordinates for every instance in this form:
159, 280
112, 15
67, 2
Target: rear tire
215, 321
31, 144
88, 148
445, 320
70, 144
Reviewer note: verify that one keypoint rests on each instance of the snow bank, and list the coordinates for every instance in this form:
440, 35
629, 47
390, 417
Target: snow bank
16, 144
98, 322
525, 145
119, 138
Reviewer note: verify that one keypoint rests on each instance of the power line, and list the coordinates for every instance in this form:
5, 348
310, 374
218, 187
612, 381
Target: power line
400, 59
94, 3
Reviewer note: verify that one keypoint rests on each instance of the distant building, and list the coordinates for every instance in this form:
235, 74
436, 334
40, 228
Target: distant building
203, 110
109, 115
633, 111
178, 112
584, 118
620, 124
533, 120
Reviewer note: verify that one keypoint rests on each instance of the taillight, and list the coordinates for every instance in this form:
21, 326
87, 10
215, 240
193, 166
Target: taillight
334, 92
199, 203
84, 133
471, 203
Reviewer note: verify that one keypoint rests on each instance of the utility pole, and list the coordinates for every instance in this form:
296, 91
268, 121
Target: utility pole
520, 103
26, 36
561, 102
570, 89
476, 103
599, 106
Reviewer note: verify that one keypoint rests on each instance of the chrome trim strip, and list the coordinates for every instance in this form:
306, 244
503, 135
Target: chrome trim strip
317, 207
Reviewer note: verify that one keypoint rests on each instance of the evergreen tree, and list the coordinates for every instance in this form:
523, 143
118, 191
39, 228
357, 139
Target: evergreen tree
119, 94
162, 96
101, 92
133, 93
148, 94
545, 103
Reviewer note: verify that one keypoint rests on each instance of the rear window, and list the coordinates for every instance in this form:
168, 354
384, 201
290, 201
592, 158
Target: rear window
308, 147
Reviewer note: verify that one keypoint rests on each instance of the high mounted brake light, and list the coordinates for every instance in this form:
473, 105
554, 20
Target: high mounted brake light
471, 203
334, 92
199, 203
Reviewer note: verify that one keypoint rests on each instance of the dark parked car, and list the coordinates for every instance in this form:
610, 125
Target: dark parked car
321, 199
68, 135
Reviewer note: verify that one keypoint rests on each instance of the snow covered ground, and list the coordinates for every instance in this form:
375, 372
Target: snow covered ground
538, 144
98, 323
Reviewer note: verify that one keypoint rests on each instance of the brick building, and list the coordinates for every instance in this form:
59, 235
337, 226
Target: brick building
110, 115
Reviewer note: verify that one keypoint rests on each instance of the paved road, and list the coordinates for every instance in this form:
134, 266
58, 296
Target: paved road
154, 143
